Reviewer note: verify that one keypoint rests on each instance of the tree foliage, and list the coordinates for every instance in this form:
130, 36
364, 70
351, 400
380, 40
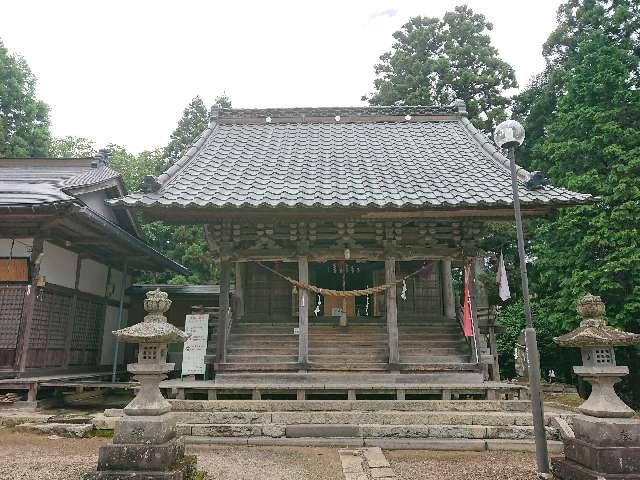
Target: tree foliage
195, 118
583, 123
24, 120
435, 61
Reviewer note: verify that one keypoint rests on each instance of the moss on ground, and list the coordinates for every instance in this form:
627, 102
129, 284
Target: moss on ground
99, 432
188, 464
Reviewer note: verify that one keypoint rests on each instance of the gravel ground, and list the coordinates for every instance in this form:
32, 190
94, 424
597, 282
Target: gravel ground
425, 465
36, 457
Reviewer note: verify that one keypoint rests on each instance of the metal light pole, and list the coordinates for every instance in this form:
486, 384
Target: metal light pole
508, 135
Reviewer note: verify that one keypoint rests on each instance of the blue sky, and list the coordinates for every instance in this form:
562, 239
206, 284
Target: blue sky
122, 71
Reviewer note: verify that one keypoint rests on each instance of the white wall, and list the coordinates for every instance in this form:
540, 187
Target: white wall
96, 202
93, 277
108, 340
58, 265
21, 247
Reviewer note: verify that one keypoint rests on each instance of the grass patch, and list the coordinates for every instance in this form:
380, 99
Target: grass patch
188, 465
100, 432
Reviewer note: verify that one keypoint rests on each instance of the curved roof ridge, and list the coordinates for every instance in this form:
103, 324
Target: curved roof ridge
489, 148
172, 171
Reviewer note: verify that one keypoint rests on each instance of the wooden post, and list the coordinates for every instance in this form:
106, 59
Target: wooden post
223, 316
29, 305
241, 268
72, 313
392, 313
303, 314
447, 289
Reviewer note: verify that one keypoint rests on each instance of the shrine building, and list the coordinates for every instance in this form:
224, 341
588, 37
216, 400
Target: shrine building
340, 231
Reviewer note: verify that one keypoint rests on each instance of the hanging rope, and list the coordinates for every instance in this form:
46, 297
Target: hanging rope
342, 293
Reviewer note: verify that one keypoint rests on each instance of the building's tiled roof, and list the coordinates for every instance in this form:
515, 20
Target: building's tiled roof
343, 157
46, 180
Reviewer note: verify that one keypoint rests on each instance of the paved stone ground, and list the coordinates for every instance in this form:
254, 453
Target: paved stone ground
425, 465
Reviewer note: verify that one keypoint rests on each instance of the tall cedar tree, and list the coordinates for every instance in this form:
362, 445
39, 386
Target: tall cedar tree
24, 120
185, 243
195, 118
583, 126
434, 62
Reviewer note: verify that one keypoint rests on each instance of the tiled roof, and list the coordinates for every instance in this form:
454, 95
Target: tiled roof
343, 157
45, 180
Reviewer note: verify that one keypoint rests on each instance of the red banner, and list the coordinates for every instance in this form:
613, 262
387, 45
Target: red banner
467, 325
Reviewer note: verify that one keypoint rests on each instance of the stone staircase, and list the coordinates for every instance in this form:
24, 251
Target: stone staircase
361, 421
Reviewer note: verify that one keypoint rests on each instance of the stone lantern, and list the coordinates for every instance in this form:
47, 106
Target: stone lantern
144, 444
606, 441
596, 341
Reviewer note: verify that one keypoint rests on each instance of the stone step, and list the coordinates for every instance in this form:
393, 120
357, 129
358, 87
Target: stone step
382, 417
439, 367
421, 406
512, 432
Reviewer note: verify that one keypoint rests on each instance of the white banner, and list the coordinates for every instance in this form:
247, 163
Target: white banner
195, 348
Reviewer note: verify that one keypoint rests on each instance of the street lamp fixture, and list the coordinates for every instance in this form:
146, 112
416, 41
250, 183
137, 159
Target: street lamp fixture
509, 135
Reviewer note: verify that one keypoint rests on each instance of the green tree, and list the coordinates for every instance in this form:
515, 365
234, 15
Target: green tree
24, 120
72, 147
436, 61
195, 118
585, 134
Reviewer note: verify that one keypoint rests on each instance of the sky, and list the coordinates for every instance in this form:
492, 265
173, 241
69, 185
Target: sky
123, 71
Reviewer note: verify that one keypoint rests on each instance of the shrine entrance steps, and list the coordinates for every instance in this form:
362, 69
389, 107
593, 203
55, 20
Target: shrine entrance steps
362, 345
356, 422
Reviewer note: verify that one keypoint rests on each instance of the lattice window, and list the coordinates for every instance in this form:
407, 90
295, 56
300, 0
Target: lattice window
11, 303
87, 331
149, 353
602, 356
50, 319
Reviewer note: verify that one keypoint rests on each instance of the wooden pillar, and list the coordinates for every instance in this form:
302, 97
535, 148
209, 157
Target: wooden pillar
448, 296
303, 314
392, 312
241, 268
223, 316
72, 313
26, 321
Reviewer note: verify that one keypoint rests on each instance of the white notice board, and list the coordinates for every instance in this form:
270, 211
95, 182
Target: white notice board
197, 327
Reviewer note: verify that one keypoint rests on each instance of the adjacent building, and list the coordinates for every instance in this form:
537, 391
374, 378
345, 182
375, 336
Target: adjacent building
66, 258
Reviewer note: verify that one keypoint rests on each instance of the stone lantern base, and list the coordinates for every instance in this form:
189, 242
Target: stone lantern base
143, 448
603, 449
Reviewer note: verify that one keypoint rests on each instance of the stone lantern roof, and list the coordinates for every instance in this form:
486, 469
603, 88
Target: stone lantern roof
154, 328
593, 331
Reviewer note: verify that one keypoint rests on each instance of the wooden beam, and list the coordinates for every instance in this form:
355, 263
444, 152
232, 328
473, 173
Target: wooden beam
303, 314
392, 313
319, 254
223, 316
26, 321
447, 289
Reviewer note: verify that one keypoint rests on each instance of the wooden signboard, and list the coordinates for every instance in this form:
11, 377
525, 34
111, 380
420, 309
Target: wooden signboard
195, 348
14, 270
